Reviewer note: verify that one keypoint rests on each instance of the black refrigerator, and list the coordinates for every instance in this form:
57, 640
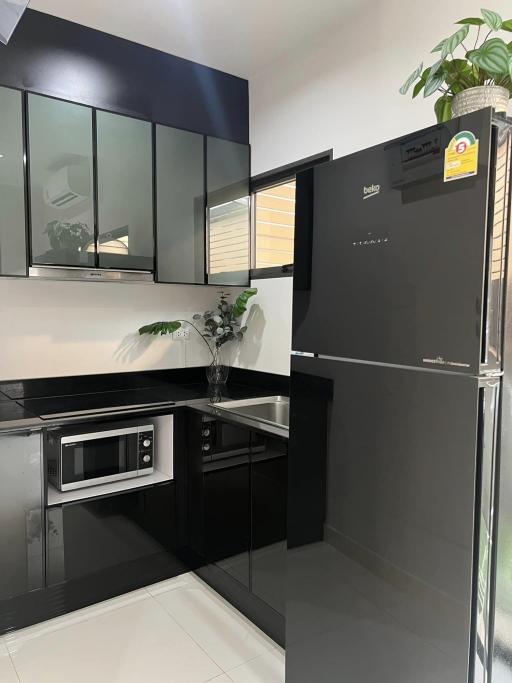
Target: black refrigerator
399, 404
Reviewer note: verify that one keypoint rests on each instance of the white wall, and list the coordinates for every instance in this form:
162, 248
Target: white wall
341, 91
51, 329
267, 342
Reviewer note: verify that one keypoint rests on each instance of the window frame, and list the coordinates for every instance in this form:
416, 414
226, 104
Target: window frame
262, 181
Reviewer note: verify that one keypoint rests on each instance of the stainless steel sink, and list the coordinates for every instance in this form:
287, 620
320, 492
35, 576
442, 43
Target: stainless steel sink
273, 410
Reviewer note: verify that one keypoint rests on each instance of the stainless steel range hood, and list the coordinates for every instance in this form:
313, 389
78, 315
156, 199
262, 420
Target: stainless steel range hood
90, 274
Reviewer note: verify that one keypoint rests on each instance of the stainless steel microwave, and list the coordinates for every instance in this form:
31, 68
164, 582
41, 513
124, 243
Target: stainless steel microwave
79, 459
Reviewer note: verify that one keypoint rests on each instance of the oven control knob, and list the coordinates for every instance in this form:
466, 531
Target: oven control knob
146, 443
206, 447
146, 458
206, 432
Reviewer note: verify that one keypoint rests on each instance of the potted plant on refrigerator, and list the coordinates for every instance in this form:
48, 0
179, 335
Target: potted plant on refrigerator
473, 69
218, 327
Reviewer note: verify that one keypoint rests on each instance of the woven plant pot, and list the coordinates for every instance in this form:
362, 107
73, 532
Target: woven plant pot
480, 97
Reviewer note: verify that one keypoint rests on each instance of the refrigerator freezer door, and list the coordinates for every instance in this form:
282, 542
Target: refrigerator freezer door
385, 590
398, 266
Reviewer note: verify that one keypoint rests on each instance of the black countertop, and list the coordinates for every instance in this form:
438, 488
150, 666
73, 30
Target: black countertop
42, 402
11, 411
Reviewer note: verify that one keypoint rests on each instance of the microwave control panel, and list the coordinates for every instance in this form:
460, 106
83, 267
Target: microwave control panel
146, 438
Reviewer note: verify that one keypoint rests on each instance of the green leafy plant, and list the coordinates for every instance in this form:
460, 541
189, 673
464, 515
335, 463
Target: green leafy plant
68, 235
218, 327
488, 62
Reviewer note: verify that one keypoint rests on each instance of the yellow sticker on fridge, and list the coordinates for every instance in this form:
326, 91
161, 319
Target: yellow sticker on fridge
461, 157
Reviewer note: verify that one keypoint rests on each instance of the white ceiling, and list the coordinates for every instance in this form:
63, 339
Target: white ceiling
236, 36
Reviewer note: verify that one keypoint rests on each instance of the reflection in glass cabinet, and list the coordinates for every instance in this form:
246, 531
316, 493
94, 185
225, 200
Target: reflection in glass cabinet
21, 513
228, 212
61, 196
125, 192
13, 260
180, 205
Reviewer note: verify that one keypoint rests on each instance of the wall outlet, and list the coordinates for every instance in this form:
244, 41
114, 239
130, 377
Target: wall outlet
182, 334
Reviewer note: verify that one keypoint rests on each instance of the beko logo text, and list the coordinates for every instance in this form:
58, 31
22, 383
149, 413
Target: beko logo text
370, 191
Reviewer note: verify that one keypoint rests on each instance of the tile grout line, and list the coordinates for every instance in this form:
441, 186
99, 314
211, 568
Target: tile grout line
251, 626
222, 675
190, 636
233, 668
18, 676
225, 671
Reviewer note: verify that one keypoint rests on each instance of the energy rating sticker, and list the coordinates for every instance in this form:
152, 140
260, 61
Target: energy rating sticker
461, 157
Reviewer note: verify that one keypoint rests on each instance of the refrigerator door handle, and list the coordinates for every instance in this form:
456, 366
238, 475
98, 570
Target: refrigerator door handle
483, 549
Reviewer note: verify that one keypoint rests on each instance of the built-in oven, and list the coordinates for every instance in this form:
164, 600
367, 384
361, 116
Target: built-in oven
80, 457
221, 440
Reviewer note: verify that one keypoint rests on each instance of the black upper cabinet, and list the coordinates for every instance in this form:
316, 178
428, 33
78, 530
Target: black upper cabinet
13, 256
96, 179
125, 192
62, 138
179, 157
61, 182
228, 212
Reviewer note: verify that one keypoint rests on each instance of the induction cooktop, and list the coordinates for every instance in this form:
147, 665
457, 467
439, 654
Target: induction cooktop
52, 407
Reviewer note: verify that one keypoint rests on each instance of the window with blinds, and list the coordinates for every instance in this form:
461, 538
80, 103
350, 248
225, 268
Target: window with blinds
229, 237
274, 225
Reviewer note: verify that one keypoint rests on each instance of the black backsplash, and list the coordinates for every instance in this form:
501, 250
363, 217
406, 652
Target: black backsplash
51, 56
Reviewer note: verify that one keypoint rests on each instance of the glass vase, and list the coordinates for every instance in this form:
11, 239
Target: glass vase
217, 372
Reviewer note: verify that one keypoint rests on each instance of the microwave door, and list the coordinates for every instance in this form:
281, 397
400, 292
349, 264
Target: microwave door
98, 458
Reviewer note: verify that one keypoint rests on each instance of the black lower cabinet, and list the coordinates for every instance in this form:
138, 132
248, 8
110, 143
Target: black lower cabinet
269, 473
90, 537
237, 518
97, 549
21, 525
227, 517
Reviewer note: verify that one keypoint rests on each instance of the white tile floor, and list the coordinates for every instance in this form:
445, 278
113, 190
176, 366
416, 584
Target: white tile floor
177, 631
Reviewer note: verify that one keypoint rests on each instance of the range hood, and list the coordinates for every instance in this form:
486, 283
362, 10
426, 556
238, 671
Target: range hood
90, 274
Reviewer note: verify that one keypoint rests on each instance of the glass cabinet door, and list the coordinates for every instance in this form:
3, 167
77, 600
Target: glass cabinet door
61, 196
180, 205
13, 248
228, 170
125, 192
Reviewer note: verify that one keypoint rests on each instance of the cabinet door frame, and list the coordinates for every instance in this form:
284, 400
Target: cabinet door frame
26, 116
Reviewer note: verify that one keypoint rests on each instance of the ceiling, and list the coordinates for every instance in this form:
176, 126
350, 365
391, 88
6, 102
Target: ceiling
237, 36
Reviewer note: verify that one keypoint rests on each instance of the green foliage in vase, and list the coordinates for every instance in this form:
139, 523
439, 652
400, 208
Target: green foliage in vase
68, 235
487, 61
218, 326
